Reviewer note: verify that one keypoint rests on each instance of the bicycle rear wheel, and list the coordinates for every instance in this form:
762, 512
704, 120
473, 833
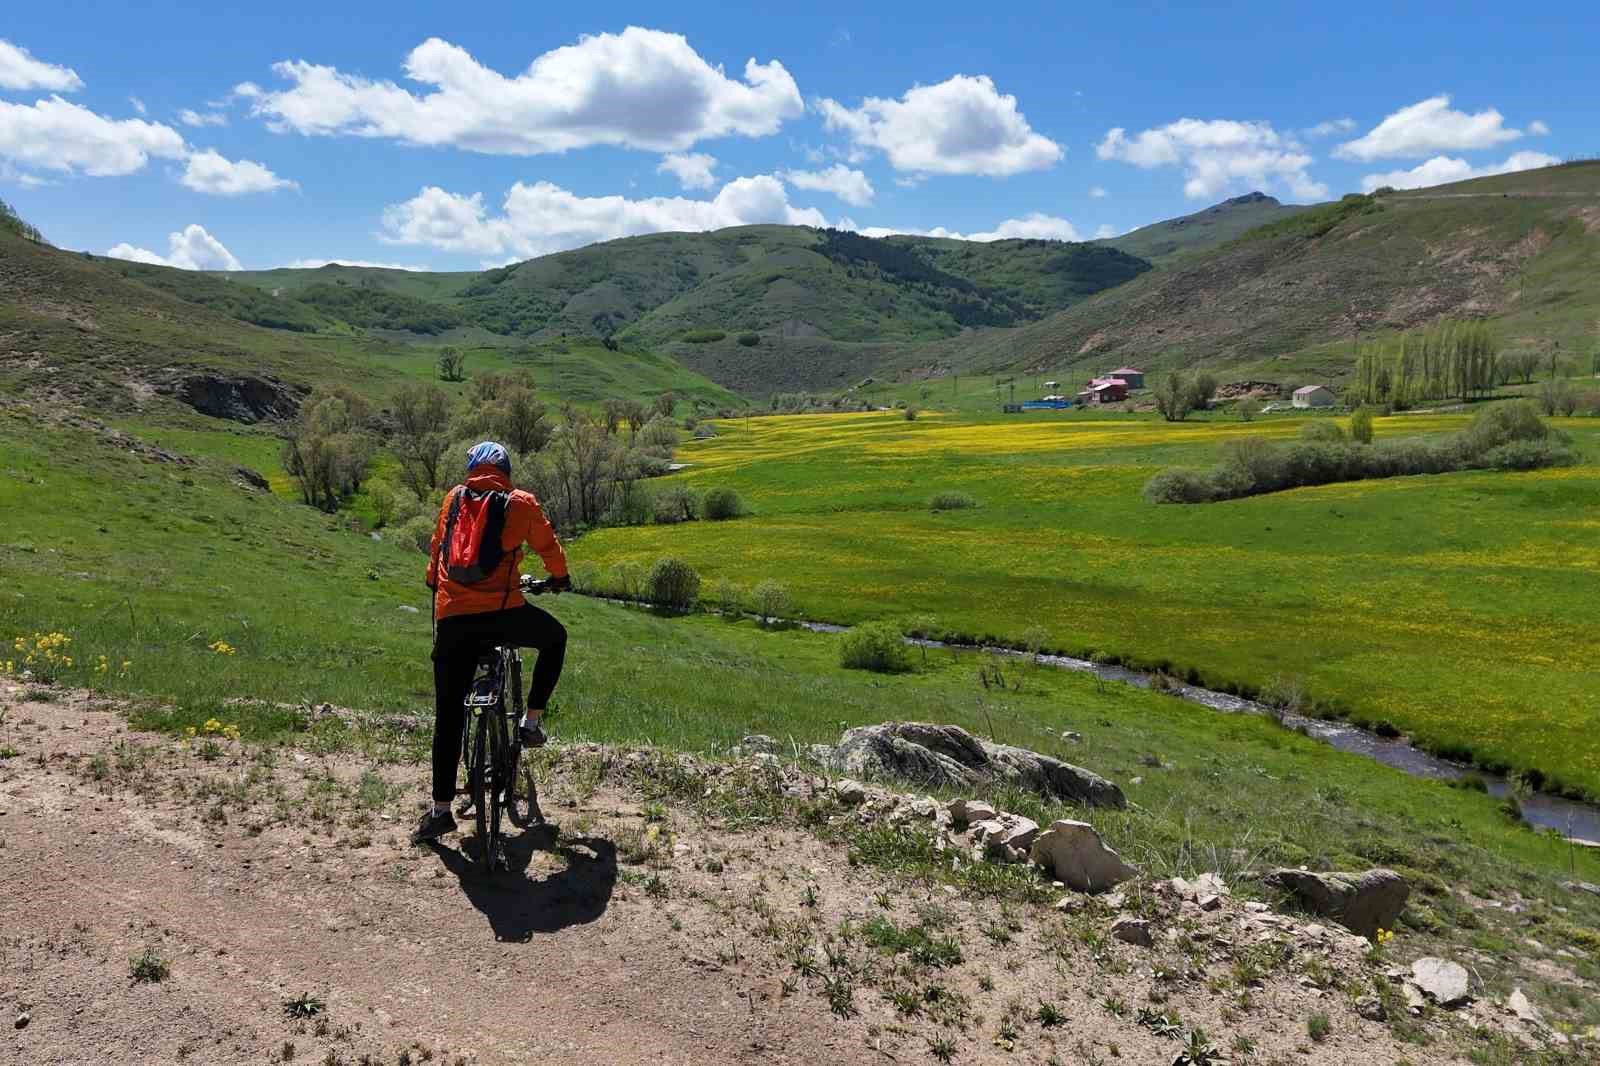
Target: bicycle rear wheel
478, 781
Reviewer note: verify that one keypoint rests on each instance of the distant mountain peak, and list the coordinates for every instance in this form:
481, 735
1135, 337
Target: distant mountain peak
1256, 197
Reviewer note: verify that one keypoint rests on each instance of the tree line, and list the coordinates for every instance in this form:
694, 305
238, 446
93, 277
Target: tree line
585, 466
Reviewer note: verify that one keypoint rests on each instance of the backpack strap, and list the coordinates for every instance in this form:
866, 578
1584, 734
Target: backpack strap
449, 530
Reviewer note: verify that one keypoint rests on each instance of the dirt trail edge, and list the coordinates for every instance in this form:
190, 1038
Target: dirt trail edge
628, 931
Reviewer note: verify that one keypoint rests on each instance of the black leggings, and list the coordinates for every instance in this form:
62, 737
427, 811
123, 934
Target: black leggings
457, 643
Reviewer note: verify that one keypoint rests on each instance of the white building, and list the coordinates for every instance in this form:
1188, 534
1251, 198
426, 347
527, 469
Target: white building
1313, 396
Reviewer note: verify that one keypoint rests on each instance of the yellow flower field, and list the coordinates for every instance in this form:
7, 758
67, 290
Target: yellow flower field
1459, 607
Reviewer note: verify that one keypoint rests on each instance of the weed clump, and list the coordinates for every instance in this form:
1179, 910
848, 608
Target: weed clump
951, 501
148, 967
874, 646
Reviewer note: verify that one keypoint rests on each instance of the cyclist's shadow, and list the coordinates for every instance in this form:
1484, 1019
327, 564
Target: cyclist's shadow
518, 906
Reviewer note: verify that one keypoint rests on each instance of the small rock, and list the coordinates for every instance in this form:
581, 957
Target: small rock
1069, 903
1415, 1000
1071, 737
1131, 930
1135, 780
767, 760
1443, 981
849, 791
1210, 902
1581, 886
1075, 854
1255, 906
759, 744
1371, 1008
1519, 1005
1005, 835
1152, 761
1115, 900
408, 609
23, 1019
969, 811
926, 807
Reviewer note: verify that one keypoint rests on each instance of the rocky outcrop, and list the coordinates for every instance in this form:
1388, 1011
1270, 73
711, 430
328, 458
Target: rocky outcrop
950, 757
1362, 903
1074, 853
241, 398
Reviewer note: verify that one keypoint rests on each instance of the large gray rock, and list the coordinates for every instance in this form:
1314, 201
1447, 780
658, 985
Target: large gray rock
949, 756
1074, 853
1441, 980
1362, 903
1131, 930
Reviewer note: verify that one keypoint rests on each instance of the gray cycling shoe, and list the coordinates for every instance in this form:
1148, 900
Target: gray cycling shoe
533, 735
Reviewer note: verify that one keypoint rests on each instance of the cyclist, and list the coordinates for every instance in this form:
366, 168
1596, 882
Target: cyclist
473, 572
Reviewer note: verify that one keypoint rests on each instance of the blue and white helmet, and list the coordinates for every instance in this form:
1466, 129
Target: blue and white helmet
489, 453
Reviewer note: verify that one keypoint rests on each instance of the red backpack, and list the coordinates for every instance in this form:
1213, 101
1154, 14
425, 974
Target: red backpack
470, 550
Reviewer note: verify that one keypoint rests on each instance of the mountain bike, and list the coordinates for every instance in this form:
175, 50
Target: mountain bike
498, 784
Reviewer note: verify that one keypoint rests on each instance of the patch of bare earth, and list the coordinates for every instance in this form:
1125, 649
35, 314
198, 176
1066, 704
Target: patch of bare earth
669, 911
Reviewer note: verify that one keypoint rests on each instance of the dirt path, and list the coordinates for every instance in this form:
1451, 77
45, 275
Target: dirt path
625, 934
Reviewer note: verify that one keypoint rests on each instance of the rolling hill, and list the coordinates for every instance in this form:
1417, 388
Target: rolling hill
1215, 225
1286, 300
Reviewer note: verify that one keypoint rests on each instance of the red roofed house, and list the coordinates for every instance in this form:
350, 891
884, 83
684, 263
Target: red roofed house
1104, 390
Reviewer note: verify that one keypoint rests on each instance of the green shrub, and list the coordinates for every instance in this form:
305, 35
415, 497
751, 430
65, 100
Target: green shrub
874, 646
1321, 431
673, 504
1361, 425
749, 340
704, 336
771, 599
1178, 486
951, 501
673, 583
722, 504
1503, 423
1528, 455
911, 412
416, 532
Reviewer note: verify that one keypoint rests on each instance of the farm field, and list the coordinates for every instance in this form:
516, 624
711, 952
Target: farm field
1457, 608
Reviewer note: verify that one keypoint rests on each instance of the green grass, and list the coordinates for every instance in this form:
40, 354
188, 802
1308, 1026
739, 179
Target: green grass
1458, 608
176, 559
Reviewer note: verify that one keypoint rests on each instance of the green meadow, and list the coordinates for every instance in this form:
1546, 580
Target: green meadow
1457, 608
152, 564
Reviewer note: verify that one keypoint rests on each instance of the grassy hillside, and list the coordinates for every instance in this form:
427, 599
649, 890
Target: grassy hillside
121, 339
1205, 229
781, 280
1284, 301
1379, 598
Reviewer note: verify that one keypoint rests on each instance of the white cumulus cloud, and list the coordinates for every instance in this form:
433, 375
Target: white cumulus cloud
1218, 155
190, 249
849, 185
1331, 127
210, 172
960, 126
1443, 169
692, 169
190, 117
57, 135
1538, 128
1425, 127
542, 217
1037, 226
19, 70
640, 88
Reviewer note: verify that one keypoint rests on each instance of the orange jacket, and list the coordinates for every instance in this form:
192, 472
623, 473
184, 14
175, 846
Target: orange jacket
525, 522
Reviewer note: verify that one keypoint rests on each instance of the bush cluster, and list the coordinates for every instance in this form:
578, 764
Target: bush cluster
1509, 436
704, 336
749, 340
875, 646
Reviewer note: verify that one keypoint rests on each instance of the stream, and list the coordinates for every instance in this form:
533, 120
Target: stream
1572, 819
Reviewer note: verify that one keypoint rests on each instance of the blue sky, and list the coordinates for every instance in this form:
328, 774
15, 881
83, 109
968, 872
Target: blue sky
453, 136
